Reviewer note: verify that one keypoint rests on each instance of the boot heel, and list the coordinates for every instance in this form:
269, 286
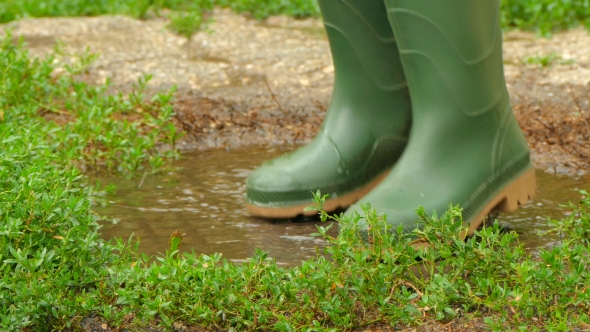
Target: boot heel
517, 193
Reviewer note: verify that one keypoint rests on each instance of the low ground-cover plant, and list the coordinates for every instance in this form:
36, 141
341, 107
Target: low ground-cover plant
261, 9
55, 270
51, 126
545, 16
547, 60
116, 131
187, 16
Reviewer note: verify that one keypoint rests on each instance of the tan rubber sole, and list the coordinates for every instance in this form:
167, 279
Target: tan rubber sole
330, 205
517, 193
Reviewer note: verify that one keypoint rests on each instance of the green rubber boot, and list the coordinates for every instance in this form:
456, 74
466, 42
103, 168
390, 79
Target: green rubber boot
465, 146
366, 127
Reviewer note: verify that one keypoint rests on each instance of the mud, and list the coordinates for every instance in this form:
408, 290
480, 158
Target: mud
243, 83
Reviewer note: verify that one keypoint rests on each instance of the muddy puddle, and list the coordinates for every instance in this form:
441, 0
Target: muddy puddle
202, 197
553, 193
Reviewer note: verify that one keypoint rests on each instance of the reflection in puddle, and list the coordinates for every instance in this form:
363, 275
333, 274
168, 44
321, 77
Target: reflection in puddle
553, 192
203, 197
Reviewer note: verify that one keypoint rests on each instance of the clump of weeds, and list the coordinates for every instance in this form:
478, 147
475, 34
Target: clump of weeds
262, 9
548, 60
545, 16
187, 16
51, 127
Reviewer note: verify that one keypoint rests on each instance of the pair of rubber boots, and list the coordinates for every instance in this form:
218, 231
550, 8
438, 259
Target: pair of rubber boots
420, 116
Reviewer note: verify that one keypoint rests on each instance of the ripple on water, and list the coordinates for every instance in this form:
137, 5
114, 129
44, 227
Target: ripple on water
203, 198
553, 193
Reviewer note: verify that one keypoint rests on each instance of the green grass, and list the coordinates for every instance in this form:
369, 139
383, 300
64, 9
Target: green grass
49, 246
187, 16
545, 16
548, 60
261, 9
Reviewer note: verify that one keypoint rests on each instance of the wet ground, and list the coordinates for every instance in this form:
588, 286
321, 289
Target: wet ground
202, 196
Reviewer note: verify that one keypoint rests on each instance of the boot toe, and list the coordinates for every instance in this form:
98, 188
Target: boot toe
267, 179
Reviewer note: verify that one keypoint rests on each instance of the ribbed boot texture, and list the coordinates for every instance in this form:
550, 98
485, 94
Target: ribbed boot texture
366, 126
466, 146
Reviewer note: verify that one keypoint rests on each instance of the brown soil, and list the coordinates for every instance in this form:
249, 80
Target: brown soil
242, 82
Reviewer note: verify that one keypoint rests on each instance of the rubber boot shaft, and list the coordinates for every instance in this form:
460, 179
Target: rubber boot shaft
368, 118
465, 145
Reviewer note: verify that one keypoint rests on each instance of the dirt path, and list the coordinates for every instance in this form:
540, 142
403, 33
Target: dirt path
244, 82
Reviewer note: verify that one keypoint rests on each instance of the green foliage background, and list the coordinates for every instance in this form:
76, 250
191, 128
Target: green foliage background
544, 16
